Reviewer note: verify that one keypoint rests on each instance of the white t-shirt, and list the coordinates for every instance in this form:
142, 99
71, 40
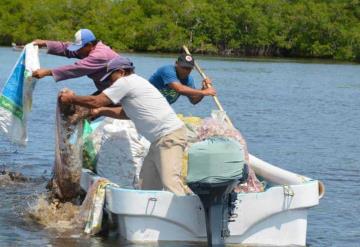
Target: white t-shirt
145, 106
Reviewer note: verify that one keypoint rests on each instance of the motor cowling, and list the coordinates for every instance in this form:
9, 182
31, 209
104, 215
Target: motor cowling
215, 166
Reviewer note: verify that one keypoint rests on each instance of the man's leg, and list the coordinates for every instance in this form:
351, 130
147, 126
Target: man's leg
168, 154
149, 175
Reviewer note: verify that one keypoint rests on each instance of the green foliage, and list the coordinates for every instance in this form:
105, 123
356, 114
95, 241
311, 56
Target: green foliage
305, 28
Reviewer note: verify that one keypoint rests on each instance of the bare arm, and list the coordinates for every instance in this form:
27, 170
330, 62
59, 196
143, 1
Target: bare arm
40, 42
113, 112
96, 101
83, 67
194, 95
195, 99
40, 73
58, 48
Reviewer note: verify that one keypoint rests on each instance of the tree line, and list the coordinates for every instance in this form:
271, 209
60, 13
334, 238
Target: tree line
286, 28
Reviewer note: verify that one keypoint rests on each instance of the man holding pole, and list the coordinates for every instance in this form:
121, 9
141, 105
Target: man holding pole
175, 80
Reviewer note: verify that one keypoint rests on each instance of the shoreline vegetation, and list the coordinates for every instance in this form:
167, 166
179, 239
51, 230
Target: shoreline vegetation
231, 28
228, 58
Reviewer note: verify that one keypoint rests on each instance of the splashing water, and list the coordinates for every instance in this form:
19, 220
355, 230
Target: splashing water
68, 217
54, 214
11, 178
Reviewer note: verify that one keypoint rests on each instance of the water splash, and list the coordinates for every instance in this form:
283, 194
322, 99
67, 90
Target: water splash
51, 213
11, 178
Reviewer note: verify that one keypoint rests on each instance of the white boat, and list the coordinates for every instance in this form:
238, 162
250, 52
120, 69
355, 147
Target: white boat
277, 216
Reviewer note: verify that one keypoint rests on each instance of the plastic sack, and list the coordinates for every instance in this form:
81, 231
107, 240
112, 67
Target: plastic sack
91, 136
113, 149
191, 125
16, 96
89, 152
121, 154
91, 210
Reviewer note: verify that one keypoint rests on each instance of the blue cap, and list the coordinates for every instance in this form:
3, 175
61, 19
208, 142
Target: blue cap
82, 37
117, 63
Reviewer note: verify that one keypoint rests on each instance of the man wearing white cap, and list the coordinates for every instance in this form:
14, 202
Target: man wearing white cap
153, 118
93, 55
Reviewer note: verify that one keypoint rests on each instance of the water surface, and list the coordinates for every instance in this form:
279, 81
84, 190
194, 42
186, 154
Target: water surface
301, 116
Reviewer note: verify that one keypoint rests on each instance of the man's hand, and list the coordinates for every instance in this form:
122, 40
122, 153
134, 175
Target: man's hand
207, 82
209, 91
39, 42
40, 73
66, 97
94, 113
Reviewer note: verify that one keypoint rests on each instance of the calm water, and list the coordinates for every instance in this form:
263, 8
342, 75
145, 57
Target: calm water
304, 117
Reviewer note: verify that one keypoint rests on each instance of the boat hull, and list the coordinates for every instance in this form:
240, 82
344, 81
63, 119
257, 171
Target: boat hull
277, 216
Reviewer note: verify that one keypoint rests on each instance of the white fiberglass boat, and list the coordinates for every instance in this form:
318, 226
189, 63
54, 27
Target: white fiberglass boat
277, 216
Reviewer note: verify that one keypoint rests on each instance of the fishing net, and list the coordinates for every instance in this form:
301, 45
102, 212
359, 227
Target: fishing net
65, 183
213, 127
216, 126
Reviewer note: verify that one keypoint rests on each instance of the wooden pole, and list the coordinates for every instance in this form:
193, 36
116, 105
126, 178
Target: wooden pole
216, 99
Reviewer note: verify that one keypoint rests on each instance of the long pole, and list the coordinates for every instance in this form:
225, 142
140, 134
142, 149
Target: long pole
216, 99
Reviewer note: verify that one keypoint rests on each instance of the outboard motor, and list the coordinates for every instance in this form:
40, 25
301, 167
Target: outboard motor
215, 166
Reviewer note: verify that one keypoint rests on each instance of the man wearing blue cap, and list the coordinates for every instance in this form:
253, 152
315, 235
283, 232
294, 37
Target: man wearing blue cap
93, 55
153, 118
175, 80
